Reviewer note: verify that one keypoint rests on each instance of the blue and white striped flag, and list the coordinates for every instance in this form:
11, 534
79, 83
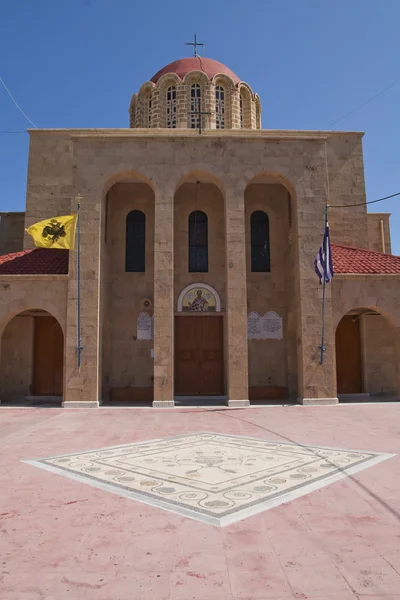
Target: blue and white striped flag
323, 262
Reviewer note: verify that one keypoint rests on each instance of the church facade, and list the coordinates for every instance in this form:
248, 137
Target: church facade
198, 234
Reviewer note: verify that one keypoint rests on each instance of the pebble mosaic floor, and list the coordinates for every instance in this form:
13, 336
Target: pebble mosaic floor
214, 478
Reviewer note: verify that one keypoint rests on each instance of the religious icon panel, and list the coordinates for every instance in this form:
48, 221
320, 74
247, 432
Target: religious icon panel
199, 299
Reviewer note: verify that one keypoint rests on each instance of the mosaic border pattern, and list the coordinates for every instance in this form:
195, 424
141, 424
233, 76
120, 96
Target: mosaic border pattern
224, 517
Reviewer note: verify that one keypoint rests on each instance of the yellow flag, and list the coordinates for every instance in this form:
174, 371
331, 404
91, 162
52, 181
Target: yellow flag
57, 232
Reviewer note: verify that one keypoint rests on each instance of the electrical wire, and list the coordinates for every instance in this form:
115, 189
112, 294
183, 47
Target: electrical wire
362, 203
364, 103
16, 104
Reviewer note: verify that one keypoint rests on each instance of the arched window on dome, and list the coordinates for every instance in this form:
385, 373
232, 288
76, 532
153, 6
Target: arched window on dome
198, 242
259, 237
220, 107
171, 107
195, 106
135, 249
245, 110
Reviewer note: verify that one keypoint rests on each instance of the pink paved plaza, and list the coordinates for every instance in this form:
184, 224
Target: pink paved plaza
62, 538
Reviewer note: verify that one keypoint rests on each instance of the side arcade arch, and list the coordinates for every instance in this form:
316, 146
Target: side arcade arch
32, 357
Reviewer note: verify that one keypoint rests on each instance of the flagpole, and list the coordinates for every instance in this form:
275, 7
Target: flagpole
325, 242
79, 348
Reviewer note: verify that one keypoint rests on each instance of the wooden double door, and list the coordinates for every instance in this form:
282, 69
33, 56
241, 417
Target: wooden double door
48, 358
348, 356
199, 355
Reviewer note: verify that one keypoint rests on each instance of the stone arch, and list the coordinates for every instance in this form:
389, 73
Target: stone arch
20, 306
228, 86
245, 100
109, 179
166, 81
200, 78
367, 352
204, 173
143, 112
132, 111
258, 111
32, 344
199, 285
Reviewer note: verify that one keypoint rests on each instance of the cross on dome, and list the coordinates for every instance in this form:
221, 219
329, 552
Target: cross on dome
195, 44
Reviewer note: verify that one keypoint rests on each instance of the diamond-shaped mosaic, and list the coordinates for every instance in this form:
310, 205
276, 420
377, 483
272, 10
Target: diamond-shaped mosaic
218, 479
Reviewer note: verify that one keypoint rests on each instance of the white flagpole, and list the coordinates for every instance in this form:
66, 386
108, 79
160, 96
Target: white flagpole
79, 339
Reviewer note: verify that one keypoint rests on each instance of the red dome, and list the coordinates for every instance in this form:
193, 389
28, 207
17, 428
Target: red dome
195, 63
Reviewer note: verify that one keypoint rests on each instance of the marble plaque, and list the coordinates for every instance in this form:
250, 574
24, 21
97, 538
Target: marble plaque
264, 328
144, 326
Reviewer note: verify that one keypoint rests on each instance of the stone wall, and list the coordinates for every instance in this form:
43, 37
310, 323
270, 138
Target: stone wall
380, 367
375, 232
11, 232
234, 159
51, 170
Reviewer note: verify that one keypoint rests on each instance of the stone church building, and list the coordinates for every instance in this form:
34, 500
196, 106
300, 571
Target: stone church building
199, 230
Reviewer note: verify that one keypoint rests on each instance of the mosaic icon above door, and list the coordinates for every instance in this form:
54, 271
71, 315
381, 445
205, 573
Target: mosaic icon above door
213, 478
199, 298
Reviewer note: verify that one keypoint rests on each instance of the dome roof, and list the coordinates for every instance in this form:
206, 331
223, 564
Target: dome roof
196, 63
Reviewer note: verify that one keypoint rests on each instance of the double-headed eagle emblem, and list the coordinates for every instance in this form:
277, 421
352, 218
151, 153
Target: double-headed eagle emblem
54, 230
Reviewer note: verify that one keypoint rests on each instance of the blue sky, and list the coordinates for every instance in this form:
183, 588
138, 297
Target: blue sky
76, 63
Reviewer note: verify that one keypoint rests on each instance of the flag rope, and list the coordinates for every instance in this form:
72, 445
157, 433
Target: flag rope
79, 340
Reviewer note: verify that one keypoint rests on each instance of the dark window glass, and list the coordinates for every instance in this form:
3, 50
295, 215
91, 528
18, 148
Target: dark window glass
135, 261
260, 257
198, 242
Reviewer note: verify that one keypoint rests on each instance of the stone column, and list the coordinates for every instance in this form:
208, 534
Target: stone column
163, 302
316, 383
82, 384
236, 301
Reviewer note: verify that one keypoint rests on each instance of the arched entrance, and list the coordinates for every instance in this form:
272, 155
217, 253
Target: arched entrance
199, 271
366, 360
32, 357
199, 351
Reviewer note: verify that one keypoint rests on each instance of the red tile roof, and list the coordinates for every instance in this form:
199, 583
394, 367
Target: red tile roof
35, 262
347, 259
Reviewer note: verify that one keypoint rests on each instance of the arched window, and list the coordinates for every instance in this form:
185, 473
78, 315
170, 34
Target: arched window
241, 111
195, 106
135, 256
259, 233
220, 107
198, 242
171, 107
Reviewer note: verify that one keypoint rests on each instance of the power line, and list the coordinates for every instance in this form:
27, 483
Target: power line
21, 131
362, 203
364, 103
16, 104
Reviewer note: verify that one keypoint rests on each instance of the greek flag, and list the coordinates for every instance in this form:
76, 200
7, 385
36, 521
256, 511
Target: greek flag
323, 261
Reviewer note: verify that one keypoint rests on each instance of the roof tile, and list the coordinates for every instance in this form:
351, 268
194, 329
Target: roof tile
35, 262
347, 259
